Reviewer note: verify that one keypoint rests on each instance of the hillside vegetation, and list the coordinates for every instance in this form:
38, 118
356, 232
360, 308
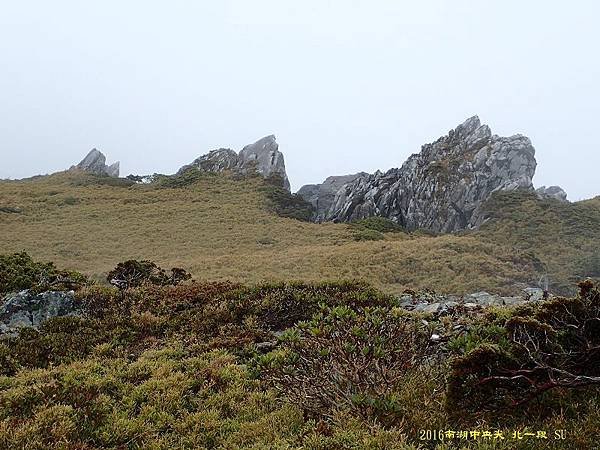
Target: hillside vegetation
565, 237
295, 365
221, 228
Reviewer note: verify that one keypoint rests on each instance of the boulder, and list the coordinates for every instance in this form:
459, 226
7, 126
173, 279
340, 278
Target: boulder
95, 162
28, 309
555, 192
443, 187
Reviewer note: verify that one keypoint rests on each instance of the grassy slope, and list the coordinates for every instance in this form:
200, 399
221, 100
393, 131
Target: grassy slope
564, 236
220, 229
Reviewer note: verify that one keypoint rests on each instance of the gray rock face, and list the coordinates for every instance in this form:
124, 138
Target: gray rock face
555, 192
262, 157
443, 187
25, 309
321, 196
95, 162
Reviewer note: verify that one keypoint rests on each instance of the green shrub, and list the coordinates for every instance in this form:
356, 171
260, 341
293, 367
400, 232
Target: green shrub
553, 349
18, 271
381, 224
285, 204
367, 235
346, 360
134, 273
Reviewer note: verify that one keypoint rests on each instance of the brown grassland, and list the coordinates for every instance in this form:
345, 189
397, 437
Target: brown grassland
219, 228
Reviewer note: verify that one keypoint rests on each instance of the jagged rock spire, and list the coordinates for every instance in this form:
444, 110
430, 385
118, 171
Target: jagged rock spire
443, 187
95, 162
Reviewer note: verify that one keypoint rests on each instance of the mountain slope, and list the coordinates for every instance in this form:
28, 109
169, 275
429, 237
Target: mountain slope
221, 227
564, 236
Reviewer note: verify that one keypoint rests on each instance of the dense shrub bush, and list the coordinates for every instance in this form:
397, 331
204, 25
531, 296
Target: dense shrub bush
284, 203
365, 234
554, 346
346, 360
133, 273
19, 271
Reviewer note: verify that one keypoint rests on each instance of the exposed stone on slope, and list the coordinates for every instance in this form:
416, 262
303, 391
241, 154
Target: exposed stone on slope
441, 304
321, 196
95, 162
443, 187
26, 309
555, 192
262, 157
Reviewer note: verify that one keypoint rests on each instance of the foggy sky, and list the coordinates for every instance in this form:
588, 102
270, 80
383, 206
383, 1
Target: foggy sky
346, 86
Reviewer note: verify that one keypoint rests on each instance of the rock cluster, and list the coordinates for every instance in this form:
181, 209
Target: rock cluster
437, 304
262, 157
442, 188
28, 309
95, 162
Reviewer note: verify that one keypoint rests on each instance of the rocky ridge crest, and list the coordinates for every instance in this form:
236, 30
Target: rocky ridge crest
442, 188
262, 157
95, 162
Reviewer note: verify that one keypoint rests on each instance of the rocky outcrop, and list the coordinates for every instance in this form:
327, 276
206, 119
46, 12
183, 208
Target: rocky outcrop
439, 304
321, 196
555, 192
443, 187
95, 162
214, 161
262, 157
27, 309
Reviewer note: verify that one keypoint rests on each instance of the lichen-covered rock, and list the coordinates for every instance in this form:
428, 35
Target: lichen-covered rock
555, 192
28, 309
321, 196
444, 187
95, 162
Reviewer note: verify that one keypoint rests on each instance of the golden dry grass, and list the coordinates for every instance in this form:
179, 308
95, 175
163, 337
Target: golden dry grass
221, 228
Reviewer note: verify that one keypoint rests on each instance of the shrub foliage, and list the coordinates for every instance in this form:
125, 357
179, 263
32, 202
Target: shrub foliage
346, 360
133, 273
555, 346
19, 271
